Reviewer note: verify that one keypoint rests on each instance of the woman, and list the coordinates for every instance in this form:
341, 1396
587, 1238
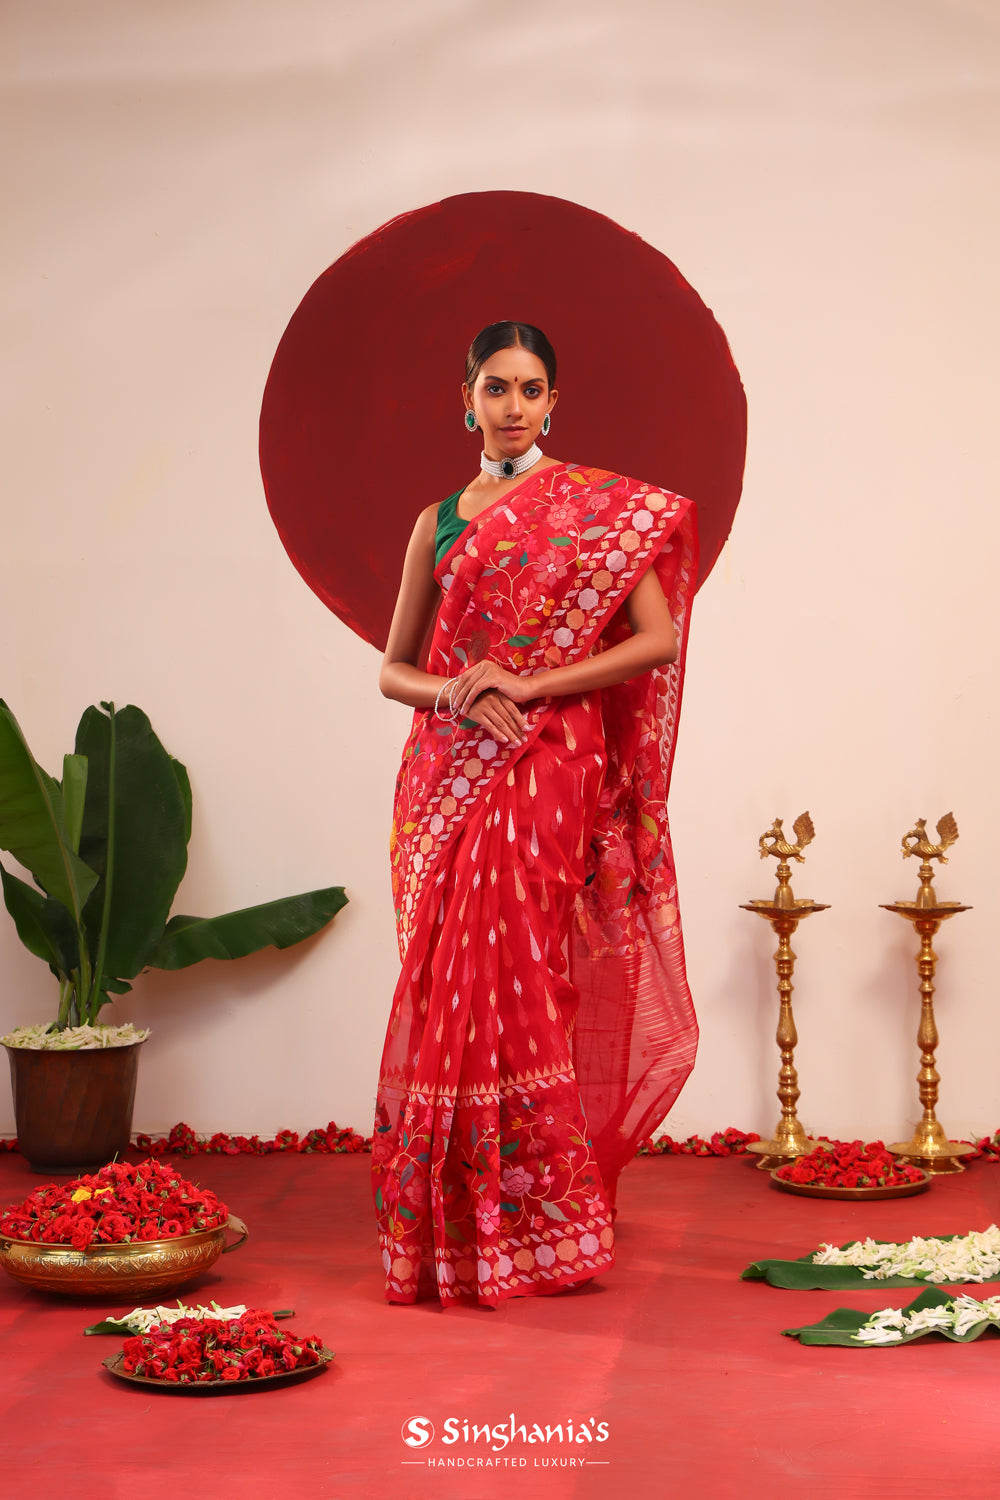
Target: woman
542, 1023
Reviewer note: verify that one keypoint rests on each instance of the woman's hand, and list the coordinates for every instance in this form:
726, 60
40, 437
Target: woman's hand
487, 676
495, 712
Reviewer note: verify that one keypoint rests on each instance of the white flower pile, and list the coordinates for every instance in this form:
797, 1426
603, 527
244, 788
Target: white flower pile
142, 1319
74, 1038
891, 1324
968, 1257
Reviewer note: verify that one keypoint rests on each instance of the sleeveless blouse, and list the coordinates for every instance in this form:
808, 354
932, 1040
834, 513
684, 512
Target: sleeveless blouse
449, 526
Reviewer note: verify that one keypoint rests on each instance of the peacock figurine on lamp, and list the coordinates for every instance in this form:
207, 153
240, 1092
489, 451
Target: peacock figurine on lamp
784, 912
929, 1146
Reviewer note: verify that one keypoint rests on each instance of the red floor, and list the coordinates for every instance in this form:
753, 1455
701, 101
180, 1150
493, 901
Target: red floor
681, 1359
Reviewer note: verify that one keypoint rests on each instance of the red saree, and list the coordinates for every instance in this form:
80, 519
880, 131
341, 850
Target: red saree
542, 1024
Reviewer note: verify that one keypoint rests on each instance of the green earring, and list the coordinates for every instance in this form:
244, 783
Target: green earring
470, 421
546, 424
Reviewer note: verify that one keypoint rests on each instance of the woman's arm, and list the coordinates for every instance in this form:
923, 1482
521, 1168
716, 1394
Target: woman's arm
416, 606
653, 643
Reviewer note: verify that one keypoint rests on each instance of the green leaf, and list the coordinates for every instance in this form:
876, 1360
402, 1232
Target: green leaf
74, 790
561, 541
44, 926
521, 640
184, 783
510, 1146
32, 821
110, 1325
840, 1326
187, 940
139, 818
406, 1213
805, 1274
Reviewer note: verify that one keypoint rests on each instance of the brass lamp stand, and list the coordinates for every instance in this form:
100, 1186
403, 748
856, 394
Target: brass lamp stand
785, 912
929, 1147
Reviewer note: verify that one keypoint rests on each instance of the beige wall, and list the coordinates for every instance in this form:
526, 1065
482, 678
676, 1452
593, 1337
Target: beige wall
825, 175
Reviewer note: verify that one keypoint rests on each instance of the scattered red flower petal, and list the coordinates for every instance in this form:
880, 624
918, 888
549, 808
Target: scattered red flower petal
722, 1143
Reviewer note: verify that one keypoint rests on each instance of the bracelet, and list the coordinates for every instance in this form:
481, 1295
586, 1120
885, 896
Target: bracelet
437, 711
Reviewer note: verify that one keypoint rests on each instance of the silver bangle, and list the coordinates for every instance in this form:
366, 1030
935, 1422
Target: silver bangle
437, 711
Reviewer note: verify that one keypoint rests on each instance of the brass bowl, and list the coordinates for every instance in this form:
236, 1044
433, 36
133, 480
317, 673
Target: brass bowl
116, 1272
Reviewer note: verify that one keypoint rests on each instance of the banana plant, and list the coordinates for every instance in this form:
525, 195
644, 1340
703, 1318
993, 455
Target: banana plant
107, 847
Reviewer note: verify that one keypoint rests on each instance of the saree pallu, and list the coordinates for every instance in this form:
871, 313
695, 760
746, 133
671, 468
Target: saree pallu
542, 1023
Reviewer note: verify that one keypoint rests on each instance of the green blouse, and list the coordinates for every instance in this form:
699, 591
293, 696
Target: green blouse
449, 526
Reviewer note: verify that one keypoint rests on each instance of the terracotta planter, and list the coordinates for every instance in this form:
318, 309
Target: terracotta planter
73, 1110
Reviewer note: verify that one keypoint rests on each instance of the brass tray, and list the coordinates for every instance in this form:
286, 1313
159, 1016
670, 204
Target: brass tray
115, 1272
869, 1194
113, 1364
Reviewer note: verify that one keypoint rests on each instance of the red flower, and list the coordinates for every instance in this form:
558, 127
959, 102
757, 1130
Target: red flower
245, 1348
83, 1233
118, 1204
849, 1164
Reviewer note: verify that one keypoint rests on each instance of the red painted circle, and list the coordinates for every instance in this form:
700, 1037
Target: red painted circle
361, 424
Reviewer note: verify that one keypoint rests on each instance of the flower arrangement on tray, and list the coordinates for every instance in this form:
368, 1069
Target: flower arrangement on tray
121, 1204
849, 1165
206, 1347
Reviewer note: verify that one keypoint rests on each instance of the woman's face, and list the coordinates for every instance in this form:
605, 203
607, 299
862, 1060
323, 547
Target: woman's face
510, 399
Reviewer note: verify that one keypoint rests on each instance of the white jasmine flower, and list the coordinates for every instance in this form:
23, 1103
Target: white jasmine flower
971, 1257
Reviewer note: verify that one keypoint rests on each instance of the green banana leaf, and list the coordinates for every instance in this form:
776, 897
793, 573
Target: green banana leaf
44, 926
108, 847
74, 790
184, 783
134, 835
187, 940
33, 820
805, 1275
840, 1326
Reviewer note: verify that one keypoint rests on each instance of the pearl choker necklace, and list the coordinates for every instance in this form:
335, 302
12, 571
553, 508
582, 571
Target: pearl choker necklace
509, 468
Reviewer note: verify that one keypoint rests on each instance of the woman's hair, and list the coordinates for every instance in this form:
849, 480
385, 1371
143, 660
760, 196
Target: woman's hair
507, 335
